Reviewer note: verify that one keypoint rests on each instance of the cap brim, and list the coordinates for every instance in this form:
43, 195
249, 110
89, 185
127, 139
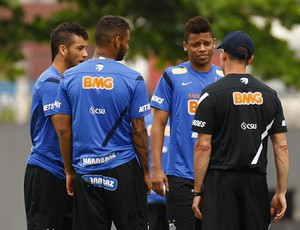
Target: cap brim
219, 46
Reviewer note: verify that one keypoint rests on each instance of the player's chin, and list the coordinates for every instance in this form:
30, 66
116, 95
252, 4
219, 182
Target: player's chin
203, 61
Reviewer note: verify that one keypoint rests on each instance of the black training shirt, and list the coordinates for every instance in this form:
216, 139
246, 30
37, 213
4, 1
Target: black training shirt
239, 112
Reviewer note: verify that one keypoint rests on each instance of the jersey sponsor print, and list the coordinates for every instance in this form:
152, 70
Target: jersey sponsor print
178, 92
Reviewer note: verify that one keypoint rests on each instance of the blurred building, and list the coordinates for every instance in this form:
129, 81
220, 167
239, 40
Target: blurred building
38, 55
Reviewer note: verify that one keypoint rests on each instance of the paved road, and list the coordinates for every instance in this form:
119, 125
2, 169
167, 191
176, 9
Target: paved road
15, 147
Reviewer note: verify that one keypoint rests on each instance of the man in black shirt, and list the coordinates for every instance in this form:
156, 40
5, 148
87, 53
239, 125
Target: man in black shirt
234, 119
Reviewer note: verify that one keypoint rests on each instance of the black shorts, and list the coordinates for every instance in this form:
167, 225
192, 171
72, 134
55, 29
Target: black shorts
235, 201
125, 204
47, 203
179, 202
158, 216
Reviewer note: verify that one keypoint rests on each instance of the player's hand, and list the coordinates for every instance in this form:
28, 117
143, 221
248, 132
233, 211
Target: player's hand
159, 182
148, 183
70, 179
196, 207
278, 207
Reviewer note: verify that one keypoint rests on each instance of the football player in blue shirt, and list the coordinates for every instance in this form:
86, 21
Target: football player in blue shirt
156, 203
176, 96
102, 104
47, 203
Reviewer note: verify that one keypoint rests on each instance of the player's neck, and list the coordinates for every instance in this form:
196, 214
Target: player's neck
201, 68
235, 69
103, 54
60, 66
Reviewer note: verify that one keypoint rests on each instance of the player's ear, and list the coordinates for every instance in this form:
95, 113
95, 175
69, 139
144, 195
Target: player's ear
62, 49
250, 60
117, 41
223, 54
214, 42
184, 45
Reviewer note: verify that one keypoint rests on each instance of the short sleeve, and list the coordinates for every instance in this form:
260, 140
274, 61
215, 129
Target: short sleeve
161, 98
279, 124
140, 103
47, 92
204, 121
62, 103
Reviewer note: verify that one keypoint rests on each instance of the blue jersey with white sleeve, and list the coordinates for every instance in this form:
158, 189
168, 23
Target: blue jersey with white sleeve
178, 93
102, 96
45, 152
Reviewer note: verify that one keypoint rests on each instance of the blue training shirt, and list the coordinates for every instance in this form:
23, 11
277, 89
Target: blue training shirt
102, 96
178, 93
45, 152
153, 197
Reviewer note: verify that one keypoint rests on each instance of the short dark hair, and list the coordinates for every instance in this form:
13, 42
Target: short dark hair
197, 25
63, 35
109, 27
241, 50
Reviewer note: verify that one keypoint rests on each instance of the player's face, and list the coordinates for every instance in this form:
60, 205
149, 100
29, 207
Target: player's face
200, 48
77, 51
124, 46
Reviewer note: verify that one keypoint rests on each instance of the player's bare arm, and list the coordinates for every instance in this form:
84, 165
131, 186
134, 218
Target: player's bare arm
65, 140
202, 152
158, 177
140, 141
281, 154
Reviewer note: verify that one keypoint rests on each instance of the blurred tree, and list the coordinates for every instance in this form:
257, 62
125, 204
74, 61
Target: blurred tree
12, 34
157, 27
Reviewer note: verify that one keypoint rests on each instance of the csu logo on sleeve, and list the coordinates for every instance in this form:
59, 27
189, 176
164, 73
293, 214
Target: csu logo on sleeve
89, 82
248, 98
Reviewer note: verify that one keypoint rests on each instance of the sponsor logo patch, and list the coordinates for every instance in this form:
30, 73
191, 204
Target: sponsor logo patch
194, 135
57, 104
198, 123
144, 108
186, 83
220, 73
99, 67
87, 160
192, 106
179, 70
157, 99
105, 182
89, 82
248, 98
245, 126
172, 226
96, 111
244, 80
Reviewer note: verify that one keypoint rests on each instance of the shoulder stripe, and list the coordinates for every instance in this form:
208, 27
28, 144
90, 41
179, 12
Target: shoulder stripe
54, 80
168, 80
205, 95
139, 78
